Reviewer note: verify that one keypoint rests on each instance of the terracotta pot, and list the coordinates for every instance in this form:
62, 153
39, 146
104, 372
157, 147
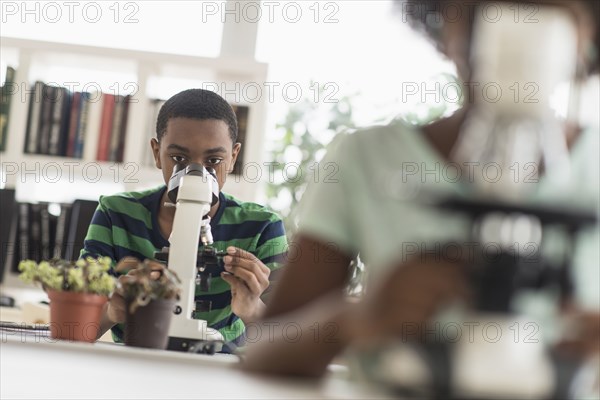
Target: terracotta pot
149, 325
75, 316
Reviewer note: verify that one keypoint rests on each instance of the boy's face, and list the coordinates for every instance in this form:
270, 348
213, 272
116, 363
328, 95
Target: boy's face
205, 142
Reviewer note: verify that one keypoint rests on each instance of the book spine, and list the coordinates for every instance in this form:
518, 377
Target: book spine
23, 232
123, 130
116, 128
73, 123
35, 232
48, 99
105, 127
45, 232
33, 122
56, 124
92, 133
82, 127
64, 125
12, 249
82, 212
60, 240
6, 94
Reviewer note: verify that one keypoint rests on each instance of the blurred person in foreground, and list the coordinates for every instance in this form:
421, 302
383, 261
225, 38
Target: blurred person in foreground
357, 215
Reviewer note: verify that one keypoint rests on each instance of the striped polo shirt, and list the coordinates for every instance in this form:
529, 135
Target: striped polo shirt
126, 224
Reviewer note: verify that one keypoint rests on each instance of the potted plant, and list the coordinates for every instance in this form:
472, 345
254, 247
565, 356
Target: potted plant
150, 292
77, 292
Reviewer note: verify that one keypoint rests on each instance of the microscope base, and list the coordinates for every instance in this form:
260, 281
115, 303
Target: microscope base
197, 346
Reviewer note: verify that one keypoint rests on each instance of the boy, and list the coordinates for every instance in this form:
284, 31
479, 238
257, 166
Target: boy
194, 126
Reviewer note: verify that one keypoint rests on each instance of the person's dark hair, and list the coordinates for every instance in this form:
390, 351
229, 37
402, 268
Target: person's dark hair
197, 104
426, 16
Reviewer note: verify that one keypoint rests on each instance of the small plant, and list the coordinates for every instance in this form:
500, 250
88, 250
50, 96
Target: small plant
148, 281
87, 275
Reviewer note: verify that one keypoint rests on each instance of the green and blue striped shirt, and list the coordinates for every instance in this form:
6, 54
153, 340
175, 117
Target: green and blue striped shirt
126, 224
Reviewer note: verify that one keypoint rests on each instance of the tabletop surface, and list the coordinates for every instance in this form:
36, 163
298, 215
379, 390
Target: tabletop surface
35, 366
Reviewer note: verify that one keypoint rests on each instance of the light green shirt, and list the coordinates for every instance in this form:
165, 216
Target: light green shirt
374, 186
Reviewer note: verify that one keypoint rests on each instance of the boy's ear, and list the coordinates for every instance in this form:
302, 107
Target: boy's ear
156, 152
234, 155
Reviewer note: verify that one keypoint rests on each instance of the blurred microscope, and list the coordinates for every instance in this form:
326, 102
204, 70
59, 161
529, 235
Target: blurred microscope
193, 190
508, 228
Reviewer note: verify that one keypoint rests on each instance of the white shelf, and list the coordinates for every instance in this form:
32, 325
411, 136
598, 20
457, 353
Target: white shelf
36, 55
225, 65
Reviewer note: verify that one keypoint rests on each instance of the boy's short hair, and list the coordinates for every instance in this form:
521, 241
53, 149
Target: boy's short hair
197, 104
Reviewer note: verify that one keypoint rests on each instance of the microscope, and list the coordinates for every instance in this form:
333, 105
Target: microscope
504, 353
193, 190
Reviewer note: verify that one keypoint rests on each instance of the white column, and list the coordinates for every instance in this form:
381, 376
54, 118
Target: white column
240, 29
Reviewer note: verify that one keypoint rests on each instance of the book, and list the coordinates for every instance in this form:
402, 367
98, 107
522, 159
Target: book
82, 212
35, 232
106, 124
115, 133
7, 240
6, 94
64, 124
81, 131
33, 118
56, 125
49, 96
61, 231
73, 124
22, 251
44, 232
13, 249
120, 152
92, 133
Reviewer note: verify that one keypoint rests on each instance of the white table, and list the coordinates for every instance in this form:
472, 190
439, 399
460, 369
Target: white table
35, 367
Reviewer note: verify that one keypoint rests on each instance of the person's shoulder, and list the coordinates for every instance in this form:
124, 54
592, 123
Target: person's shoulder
371, 146
374, 137
247, 210
132, 197
395, 128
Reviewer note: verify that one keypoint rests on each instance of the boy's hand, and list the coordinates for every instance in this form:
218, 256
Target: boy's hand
248, 278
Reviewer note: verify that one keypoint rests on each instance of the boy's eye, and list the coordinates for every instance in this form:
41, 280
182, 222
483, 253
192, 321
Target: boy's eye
214, 161
178, 159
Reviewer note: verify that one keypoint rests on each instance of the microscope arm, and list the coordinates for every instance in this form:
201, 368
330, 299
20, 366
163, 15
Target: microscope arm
193, 202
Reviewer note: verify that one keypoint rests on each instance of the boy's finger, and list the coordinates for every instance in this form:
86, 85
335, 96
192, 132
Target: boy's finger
232, 280
236, 252
248, 278
250, 265
251, 268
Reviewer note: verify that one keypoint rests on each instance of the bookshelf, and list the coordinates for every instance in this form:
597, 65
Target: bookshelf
152, 76
148, 67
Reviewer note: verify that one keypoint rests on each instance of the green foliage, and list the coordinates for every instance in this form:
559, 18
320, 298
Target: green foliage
307, 139
85, 275
305, 132
140, 286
